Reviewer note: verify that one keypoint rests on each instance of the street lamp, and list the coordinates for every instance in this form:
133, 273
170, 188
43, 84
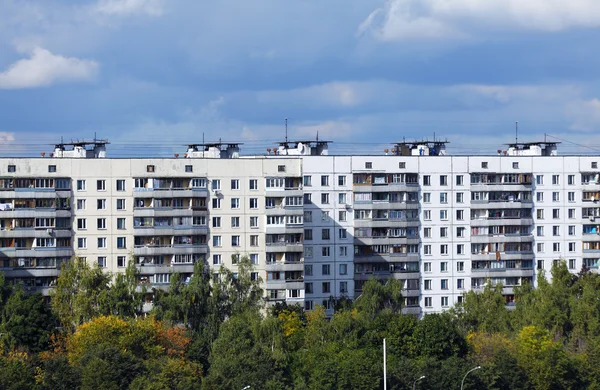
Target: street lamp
246, 387
468, 372
415, 382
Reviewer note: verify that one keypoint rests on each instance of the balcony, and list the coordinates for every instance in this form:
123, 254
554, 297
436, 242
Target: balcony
275, 266
139, 250
160, 193
499, 238
287, 246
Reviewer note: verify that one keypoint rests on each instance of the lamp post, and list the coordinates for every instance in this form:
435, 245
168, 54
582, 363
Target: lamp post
415, 382
465, 377
246, 387
384, 367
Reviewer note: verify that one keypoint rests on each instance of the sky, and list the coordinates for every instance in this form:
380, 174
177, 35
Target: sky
152, 76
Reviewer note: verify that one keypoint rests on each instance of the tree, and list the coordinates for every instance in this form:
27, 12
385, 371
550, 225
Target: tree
437, 336
27, 322
240, 292
485, 311
81, 293
125, 298
378, 296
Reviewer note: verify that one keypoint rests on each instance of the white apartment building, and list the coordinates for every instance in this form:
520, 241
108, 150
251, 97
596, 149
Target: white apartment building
316, 226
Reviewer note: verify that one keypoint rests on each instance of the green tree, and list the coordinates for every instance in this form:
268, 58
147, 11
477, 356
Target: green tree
125, 298
437, 336
239, 291
27, 322
377, 297
485, 311
81, 293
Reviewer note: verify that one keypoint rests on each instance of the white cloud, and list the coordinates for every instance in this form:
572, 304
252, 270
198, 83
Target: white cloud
130, 7
44, 68
585, 115
443, 19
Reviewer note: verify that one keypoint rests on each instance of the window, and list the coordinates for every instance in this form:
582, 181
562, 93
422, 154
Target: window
101, 204
150, 168
216, 222
555, 180
308, 236
121, 261
121, 223
540, 196
540, 214
326, 288
556, 213
12, 168
120, 204
460, 232
460, 249
572, 263
101, 242
460, 215
325, 251
51, 168
402, 165
540, 231
540, 264
80, 204
235, 184
443, 215
216, 241
307, 199
343, 251
540, 247
216, 203
281, 168
341, 180
341, 198
427, 267
444, 266
342, 234
443, 232
254, 240
484, 164
443, 197
102, 262
253, 184
217, 260
443, 249
556, 196
594, 165
325, 269
253, 222
368, 165
571, 247
342, 216
253, 203
515, 165
120, 185
81, 242
325, 234
426, 197
443, 180
80, 185
571, 196
216, 184
427, 284
235, 222
101, 185
571, 180
101, 223
460, 284
460, 266
325, 181
235, 203
427, 249
189, 168
444, 284
556, 247
556, 231
539, 180
426, 180
428, 302
444, 301
459, 180
235, 240
459, 197
325, 198
427, 215
571, 213
121, 242
427, 232
81, 224
571, 230
343, 269
343, 287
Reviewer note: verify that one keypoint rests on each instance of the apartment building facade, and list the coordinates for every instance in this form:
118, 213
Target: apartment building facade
316, 226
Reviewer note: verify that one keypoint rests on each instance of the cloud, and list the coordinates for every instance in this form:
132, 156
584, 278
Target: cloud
129, 7
585, 115
401, 20
44, 68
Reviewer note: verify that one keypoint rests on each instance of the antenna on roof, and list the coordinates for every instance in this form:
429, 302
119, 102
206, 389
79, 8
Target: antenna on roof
203, 145
516, 132
286, 137
317, 135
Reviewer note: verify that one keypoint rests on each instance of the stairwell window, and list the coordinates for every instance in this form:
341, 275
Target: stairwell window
150, 168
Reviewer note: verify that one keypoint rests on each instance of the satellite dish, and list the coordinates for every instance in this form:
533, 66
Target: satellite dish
301, 147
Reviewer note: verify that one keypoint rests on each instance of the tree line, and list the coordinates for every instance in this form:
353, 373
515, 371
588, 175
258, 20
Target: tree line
216, 334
